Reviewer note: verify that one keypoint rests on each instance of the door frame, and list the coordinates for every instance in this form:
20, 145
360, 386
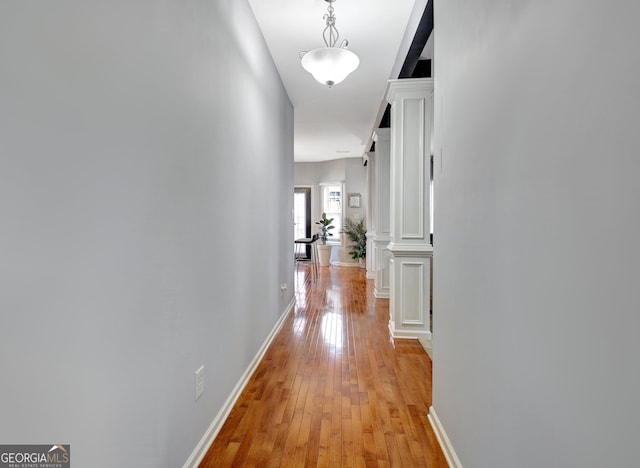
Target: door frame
308, 190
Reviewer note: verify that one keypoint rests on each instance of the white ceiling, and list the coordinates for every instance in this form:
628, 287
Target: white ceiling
337, 122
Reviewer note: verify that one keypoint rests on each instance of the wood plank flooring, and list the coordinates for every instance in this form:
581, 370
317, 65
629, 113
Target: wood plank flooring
333, 389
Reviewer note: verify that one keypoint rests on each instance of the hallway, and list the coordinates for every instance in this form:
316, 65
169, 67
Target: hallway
333, 390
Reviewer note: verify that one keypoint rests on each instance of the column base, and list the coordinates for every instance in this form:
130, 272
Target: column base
409, 306
381, 294
408, 334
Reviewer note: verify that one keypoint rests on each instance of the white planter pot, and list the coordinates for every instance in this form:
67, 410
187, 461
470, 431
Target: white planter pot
324, 255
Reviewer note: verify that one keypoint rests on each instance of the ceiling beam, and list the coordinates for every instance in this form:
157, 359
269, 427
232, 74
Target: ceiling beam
413, 67
425, 27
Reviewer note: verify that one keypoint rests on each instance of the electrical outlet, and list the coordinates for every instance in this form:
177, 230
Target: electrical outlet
283, 288
199, 382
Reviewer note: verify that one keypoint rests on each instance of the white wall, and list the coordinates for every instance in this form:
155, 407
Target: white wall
536, 308
146, 154
356, 177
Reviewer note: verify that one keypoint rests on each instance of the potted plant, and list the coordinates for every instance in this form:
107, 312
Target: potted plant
324, 250
356, 231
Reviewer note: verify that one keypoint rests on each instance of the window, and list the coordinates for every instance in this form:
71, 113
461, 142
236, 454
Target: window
332, 201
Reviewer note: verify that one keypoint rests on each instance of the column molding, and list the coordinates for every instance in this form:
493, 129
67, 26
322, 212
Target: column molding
382, 276
371, 219
382, 214
409, 246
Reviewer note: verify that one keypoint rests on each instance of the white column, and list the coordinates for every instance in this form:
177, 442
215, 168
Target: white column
410, 247
382, 137
371, 226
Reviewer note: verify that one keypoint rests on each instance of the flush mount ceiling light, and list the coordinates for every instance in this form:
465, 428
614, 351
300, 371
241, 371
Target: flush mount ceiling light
330, 65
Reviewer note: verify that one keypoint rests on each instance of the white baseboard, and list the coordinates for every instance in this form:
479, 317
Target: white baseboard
209, 436
381, 294
346, 264
428, 346
443, 440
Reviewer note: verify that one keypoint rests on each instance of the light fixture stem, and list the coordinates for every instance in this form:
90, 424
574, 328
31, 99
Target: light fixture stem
330, 19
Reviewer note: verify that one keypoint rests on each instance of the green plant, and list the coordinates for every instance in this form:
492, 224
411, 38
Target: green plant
356, 231
325, 226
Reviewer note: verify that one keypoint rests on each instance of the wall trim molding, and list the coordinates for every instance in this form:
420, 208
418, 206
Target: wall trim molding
382, 239
406, 270
407, 87
410, 250
214, 428
443, 439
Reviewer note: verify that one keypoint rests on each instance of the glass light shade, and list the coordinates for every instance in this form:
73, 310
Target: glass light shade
330, 65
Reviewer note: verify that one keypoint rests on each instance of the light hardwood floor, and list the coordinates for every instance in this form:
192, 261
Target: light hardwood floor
333, 389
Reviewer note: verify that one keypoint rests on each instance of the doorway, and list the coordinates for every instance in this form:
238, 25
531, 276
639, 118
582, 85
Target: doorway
302, 215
